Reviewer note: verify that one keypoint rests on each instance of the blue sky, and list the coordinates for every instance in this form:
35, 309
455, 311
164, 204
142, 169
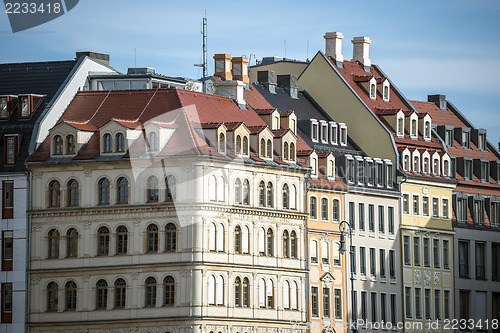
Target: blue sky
449, 47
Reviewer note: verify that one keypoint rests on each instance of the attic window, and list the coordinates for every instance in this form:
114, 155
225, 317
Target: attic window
406, 162
389, 175
285, 151
484, 171
426, 165
481, 141
314, 130
10, 149
446, 168
435, 169
331, 168
292, 151
222, 143
448, 137
4, 110
324, 132
70, 144
58, 145
413, 132
276, 122
416, 164
373, 91
466, 138
269, 148
400, 126
153, 141
108, 143
120, 142
245, 145
386, 93
293, 125
27, 104
343, 135
468, 169
314, 166
333, 133
350, 170
238, 144
427, 130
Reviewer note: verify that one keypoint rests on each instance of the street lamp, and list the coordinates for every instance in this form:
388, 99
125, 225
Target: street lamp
343, 250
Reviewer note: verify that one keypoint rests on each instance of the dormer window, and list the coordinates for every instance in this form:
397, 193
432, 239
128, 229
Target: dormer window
468, 169
153, 141
331, 168
58, 145
406, 162
373, 91
435, 166
427, 130
314, 166
388, 168
222, 143
70, 144
4, 107
324, 132
350, 170
370, 172
386, 93
276, 122
343, 135
485, 171
446, 168
10, 149
269, 148
380, 174
120, 142
108, 143
481, 141
360, 166
416, 164
285, 151
293, 125
292, 151
466, 138
426, 165
333, 133
245, 145
448, 137
238, 144
400, 126
413, 128
314, 130
24, 106
263, 147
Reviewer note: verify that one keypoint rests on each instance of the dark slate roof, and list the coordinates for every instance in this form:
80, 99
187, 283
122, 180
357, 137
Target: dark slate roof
42, 78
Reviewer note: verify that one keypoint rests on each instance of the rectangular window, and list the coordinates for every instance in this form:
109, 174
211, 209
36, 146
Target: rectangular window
462, 211
446, 254
463, 259
416, 205
361, 208
364, 304
373, 264
496, 305
333, 133
481, 142
361, 171
352, 215
406, 204
463, 305
390, 219
437, 304
466, 139
435, 208
373, 307
326, 302
353, 260
338, 303
382, 263
448, 137
479, 212
447, 306
380, 174
416, 251
468, 170
392, 264
408, 301
406, 250
484, 171
371, 218
314, 302
436, 250
418, 303
362, 260
495, 213
355, 306
495, 261
445, 209
350, 170
370, 171
389, 176
324, 133
425, 206
10, 149
381, 219
314, 131
343, 136
7, 199
428, 304
7, 250
394, 310
6, 303
427, 252
480, 261
4, 107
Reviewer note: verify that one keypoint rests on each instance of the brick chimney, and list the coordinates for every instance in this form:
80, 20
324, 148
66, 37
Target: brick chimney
240, 69
223, 66
361, 50
333, 47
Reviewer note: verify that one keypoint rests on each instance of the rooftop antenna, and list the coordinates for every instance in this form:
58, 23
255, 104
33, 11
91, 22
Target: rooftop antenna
135, 57
285, 47
307, 58
204, 64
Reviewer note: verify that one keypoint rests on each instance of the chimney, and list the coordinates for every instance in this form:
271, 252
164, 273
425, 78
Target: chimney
268, 80
240, 69
289, 83
223, 66
101, 57
360, 51
233, 89
439, 100
333, 47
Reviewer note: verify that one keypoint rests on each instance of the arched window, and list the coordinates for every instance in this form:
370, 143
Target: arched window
262, 147
270, 242
293, 296
72, 243
416, 164
313, 249
101, 295
52, 297
270, 195
212, 188
269, 148
153, 191
219, 287
237, 191
325, 252
54, 194
211, 290
70, 144
262, 241
262, 293
171, 188
286, 295
446, 168
427, 130
153, 141
169, 291
150, 292
324, 209
386, 93
262, 195
285, 151
293, 197
286, 197
293, 244
222, 143
104, 191
426, 165
336, 210
121, 240
73, 192
237, 292
108, 143
372, 91
152, 238
122, 190
435, 170
292, 151
58, 145
270, 294
313, 207
246, 192
212, 230
245, 145
120, 293
53, 243
286, 244
237, 239
221, 189
238, 144
171, 237
220, 237
120, 142
245, 240
413, 127
103, 241
406, 163
70, 295
246, 292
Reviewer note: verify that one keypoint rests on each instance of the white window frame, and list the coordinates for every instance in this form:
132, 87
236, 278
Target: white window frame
314, 133
334, 133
